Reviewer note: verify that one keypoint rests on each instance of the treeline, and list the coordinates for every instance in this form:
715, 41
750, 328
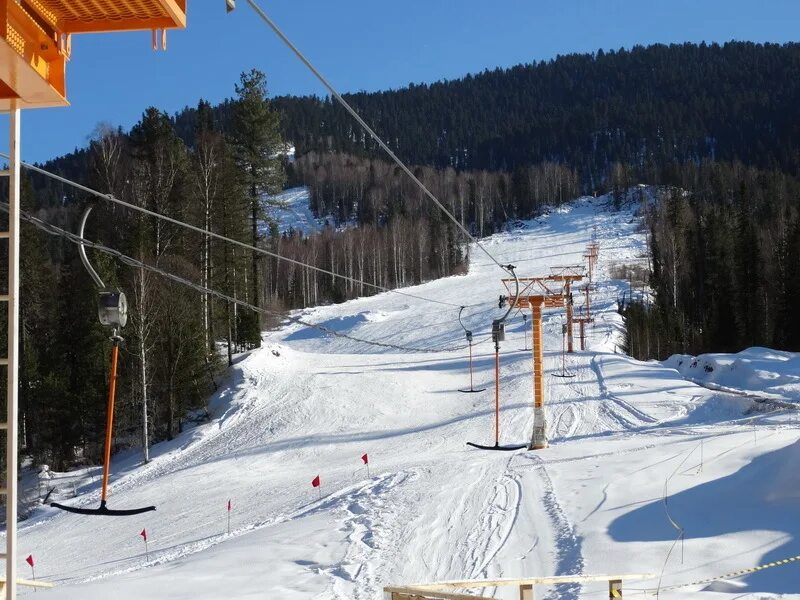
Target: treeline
375, 192
176, 337
725, 245
406, 251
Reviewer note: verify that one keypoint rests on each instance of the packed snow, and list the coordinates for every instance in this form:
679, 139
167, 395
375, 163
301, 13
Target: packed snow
636, 448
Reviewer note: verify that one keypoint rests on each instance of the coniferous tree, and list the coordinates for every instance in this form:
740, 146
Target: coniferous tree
258, 144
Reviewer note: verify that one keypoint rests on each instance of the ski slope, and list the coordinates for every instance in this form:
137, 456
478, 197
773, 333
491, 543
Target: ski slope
291, 211
622, 432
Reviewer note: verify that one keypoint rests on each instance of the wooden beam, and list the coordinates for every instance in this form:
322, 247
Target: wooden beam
176, 9
28, 583
418, 593
557, 579
113, 25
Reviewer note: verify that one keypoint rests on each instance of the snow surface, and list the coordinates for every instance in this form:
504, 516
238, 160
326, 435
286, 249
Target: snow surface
432, 508
759, 372
292, 212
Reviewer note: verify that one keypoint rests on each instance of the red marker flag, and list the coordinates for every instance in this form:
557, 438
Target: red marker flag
143, 533
229, 506
315, 482
365, 458
29, 560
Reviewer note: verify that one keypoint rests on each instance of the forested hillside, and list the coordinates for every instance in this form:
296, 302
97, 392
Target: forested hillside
644, 107
725, 241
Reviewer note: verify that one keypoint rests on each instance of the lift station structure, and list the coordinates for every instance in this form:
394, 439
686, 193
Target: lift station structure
35, 46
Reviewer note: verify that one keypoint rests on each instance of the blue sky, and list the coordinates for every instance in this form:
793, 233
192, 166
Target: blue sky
366, 45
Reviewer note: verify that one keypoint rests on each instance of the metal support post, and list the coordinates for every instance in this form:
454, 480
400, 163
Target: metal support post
583, 333
12, 360
539, 439
570, 303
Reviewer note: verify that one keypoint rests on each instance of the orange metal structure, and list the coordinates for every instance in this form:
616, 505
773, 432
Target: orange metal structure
568, 275
35, 40
592, 253
537, 294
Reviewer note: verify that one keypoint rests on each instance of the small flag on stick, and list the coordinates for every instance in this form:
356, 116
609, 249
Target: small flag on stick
229, 516
317, 484
29, 560
143, 533
365, 459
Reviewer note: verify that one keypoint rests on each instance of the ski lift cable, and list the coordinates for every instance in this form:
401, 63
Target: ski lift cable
132, 262
346, 105
141, 209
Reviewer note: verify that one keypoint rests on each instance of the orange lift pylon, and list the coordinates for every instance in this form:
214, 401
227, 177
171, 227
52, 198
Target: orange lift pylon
568, 275
591, 256
585, 314
35, 45
537, 294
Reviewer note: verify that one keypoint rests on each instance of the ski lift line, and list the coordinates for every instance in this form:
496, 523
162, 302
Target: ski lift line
132, 262
115, 200
346, 105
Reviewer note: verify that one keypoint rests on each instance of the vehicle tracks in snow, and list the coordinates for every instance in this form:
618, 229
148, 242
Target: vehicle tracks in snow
567, 544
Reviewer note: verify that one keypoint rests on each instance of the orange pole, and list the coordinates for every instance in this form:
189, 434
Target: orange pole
539, 439
570, 346
497, 395
112, 390
588, 303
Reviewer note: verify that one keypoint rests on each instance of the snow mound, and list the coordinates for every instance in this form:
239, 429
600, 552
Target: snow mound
726, 586
763, 372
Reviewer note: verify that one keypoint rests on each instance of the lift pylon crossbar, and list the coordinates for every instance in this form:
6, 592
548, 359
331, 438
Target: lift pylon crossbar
568, 270
533, 286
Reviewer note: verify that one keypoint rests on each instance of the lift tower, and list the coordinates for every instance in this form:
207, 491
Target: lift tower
567, 275
537, 294
35, 45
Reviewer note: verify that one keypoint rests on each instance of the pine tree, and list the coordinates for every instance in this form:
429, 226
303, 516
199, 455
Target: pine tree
258, 146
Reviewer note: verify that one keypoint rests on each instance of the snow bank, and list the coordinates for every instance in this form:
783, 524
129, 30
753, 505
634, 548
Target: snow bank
760, 372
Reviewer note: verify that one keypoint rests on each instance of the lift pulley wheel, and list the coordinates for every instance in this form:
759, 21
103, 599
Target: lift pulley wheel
112, 308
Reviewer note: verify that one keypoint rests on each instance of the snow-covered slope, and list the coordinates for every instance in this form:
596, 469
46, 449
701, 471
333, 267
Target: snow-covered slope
432, 508
291, 211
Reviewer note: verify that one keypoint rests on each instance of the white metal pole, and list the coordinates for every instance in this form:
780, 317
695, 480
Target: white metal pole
13, 358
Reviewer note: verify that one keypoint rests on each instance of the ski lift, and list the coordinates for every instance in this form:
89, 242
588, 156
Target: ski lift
499, 335
112, 311
468, 335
